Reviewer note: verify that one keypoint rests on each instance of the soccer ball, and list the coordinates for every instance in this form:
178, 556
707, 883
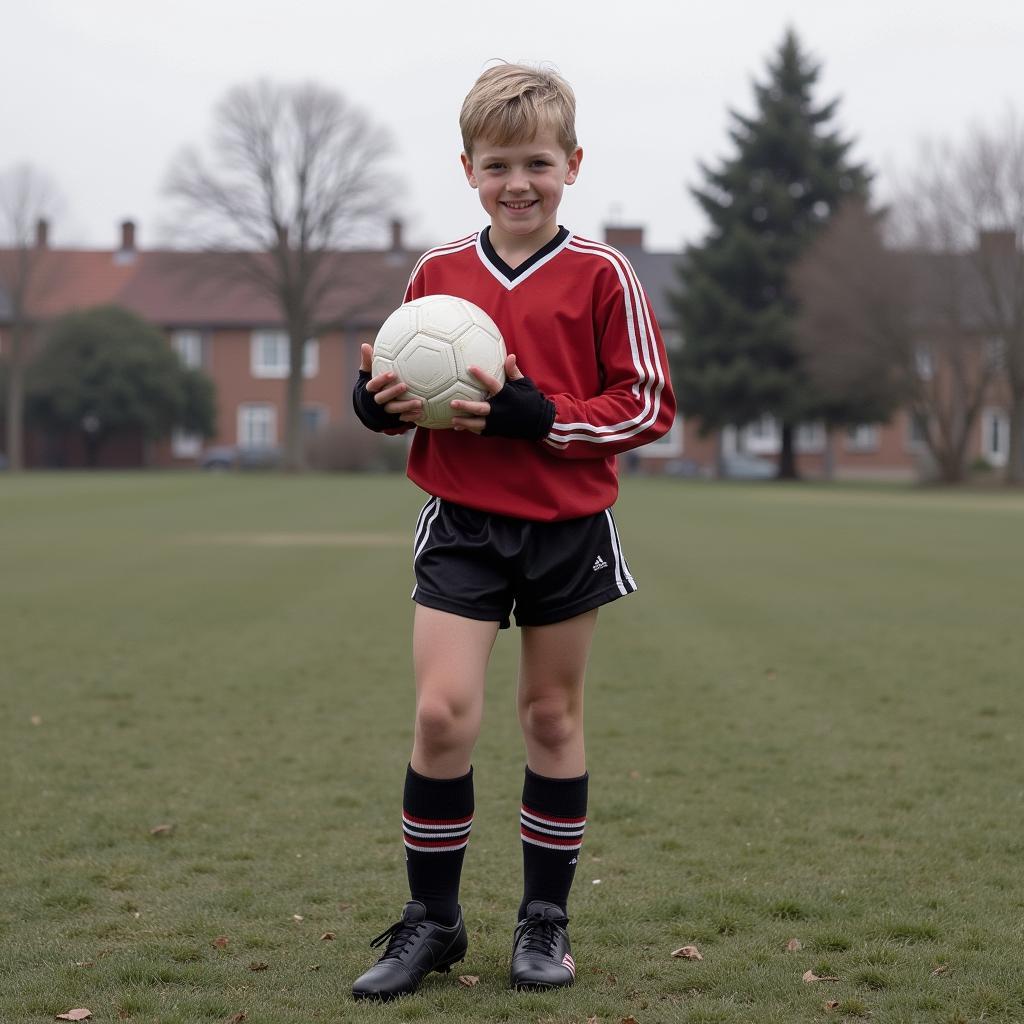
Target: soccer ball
430, 344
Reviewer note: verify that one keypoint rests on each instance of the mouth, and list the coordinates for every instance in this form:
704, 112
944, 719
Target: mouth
519, 204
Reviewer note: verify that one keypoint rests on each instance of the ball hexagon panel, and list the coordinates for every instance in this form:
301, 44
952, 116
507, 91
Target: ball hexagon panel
427, 366
443, 316
396, 332
478, 347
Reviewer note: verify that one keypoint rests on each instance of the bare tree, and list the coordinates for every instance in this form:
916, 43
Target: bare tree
968, 199
297, 174
28, 199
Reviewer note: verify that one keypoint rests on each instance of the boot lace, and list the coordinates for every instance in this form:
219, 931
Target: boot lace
398, 937
539, 934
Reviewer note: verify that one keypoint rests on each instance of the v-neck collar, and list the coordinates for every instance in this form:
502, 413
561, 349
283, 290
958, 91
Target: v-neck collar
508, 276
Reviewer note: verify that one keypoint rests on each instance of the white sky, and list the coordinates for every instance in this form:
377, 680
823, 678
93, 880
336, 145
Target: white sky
101, 95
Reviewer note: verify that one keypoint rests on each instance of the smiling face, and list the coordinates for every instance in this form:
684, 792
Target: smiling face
521, 187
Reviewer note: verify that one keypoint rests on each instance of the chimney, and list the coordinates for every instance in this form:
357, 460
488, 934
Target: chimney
127, 253
42, 233
998, 245
624, 238
396, 235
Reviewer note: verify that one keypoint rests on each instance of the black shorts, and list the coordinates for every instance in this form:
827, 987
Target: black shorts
481, 565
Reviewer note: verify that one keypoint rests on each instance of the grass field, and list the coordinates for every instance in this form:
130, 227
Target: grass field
807, 724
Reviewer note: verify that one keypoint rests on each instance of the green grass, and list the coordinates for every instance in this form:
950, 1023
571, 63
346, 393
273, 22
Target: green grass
807, 724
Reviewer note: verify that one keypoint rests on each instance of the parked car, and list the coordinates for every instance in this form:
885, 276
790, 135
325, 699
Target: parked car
748, 467
236, 457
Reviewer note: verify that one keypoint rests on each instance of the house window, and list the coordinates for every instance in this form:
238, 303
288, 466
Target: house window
862, 438
313, 418
668, 446
257, 425
810, 437
924, 362
269, 355
916, 439
185, 445
762, 437
995, 354
189, 346
995, 436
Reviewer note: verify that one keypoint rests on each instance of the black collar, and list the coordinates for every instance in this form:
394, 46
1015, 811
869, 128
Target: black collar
504, 269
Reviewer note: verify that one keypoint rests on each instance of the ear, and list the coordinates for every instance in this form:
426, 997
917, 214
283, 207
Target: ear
573, 170
467, 166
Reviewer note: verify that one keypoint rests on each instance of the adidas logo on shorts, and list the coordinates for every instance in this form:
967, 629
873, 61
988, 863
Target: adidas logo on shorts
600, 563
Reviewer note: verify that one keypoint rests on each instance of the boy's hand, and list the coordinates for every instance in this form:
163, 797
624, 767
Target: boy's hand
377, 400
516, 409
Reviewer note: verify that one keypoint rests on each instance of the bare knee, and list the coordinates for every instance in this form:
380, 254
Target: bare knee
551, 722
442, 726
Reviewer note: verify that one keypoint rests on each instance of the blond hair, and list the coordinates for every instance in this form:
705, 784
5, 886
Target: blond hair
510, 103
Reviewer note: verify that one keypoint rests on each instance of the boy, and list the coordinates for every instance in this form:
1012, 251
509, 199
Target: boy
519, 516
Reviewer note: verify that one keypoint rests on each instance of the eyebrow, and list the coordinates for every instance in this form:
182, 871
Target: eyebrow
546, 153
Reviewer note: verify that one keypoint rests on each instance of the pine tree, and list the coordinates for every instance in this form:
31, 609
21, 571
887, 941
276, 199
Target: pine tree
736, 308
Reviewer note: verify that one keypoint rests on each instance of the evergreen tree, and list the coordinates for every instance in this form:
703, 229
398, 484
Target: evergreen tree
736, 308
104, 371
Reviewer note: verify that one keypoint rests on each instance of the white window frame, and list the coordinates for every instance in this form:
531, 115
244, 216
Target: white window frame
669, 446
914, 444
924, 362
863, 437
275, 344
185, 445
995, 436
189, 346
810, 438
762, 437
251, 432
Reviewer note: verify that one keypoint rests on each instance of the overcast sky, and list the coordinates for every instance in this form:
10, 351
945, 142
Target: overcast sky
102, 95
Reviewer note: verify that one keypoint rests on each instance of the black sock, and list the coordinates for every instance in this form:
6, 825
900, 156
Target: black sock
437, 815
551, 825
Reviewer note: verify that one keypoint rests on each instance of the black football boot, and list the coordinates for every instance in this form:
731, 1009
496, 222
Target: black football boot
415, 947
541, 955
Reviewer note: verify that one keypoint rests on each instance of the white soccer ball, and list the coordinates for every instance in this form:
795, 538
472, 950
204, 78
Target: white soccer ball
430, 344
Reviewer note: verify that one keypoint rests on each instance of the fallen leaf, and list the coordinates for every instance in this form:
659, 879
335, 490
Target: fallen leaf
327, 936
237, 1018
592, 1020
344, 906
297, 917
221, 942
161, 830
629, 1020
36, 720
634, 774
85, 963
79, 1014
258, 965
793, 945
468, 980
940, 970
810, 976
771, 673
688, 952
832, 1004
596, 881
314, 967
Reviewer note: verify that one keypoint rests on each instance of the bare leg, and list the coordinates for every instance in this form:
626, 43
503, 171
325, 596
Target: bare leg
550, 698
450, 655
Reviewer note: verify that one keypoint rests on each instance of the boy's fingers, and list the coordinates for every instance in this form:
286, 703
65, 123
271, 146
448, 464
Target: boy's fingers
512, 371
413, 406
387, 390
489, 382
366, 358
474, 424
471, 408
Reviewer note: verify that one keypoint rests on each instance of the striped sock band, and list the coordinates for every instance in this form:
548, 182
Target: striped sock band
552, 820
437, 815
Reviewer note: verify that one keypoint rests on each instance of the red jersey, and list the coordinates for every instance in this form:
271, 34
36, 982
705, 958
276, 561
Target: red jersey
579, 324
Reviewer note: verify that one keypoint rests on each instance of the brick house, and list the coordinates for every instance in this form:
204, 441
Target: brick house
235, 335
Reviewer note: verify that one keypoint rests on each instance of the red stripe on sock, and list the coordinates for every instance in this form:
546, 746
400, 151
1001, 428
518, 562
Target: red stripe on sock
543, 837
560, 821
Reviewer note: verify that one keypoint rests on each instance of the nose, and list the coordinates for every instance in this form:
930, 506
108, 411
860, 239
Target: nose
518, 183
